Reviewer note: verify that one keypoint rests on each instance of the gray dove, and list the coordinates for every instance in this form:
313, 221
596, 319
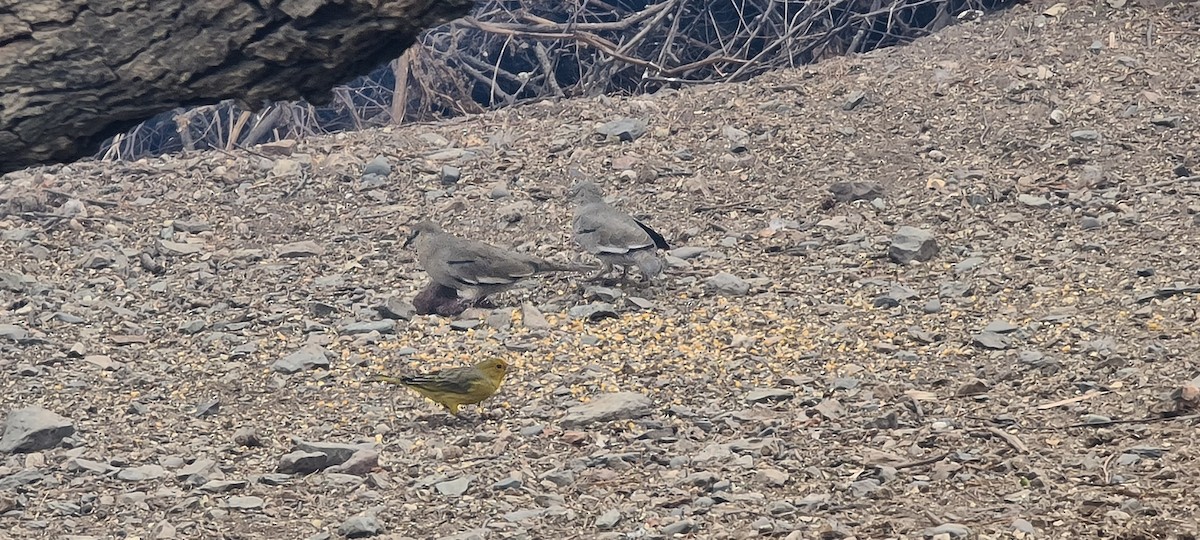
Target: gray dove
475, 269
613, 236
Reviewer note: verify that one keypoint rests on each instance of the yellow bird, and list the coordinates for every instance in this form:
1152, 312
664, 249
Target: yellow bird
455, 387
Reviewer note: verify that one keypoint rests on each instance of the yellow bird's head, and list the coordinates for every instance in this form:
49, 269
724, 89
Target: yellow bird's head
493, 369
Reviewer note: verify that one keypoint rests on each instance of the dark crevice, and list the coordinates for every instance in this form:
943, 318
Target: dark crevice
13, 39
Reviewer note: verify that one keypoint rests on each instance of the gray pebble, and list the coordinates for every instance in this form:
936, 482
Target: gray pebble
1034, 201
308, 357
682, 526
360, 526
379, 166
912, 244
728, 284
623, 129
593, 312
454, 488
608, 519
245, 502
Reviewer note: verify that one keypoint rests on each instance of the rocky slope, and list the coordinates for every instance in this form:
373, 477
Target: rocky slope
203, 325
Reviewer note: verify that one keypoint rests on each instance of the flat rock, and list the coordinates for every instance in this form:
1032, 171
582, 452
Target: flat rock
682, 526
1033, 201
608, 519
142, 473
968, 264
509, 483
1000, 327
305, 248
608, 407
991, 340
307, 357
759, 395
20, 478
856, 191
190, 227
912, 244
246, 436
32, 429
337, 453
222, 486
379, 166
384, 326
16, 282
604, 294
532, 318
863, 488
772, 477
593, 312
624, 129
397, 309
245, 502
194, 326
473, 534
179, 248
524, 515
462, 325
98, 467
361, 462
953, 530
455, 487
500, 319
360, 526
13, 332
300, 462
688, 252
728, 284
955, 289
201, 467
17, 235
285, 168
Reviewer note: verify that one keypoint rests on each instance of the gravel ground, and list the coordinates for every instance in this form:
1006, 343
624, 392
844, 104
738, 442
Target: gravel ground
190, 337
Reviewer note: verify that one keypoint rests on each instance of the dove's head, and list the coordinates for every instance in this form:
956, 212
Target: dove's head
585, 192
425, 227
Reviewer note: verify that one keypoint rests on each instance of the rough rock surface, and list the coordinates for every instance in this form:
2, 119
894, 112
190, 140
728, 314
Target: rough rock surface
76, 73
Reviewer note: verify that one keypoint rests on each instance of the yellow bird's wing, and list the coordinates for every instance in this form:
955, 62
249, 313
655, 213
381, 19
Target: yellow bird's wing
451, 381
450, 388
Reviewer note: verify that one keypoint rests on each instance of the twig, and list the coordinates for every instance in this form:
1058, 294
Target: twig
1104, 469
1015, 442
664, 9
548, 67
726, 206
30, 216
1068, 401
919, 463
1152, 420
242, 148
1173, 181
94, 202
304, 177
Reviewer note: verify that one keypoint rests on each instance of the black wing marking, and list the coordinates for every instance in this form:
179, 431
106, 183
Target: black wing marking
658, 238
